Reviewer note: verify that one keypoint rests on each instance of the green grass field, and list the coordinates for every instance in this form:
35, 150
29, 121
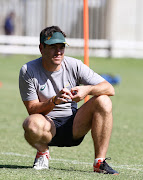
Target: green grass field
126, 145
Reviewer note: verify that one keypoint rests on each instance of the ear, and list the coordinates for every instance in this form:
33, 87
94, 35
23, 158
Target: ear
41, 46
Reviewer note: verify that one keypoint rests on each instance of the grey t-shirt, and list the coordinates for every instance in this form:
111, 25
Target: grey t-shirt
37, 83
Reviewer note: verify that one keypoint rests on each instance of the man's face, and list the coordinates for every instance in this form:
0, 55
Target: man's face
53, 54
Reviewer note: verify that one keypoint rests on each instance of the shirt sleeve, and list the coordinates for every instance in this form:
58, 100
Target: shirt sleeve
26, 85
87, 76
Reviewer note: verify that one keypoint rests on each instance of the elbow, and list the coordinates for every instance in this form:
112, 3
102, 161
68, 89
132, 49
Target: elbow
112, 91
30, 110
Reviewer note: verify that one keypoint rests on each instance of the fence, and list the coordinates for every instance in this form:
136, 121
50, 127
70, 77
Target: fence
33, 15
106, 28
99, 48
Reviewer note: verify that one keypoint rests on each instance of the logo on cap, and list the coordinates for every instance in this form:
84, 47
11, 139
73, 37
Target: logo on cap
49, 37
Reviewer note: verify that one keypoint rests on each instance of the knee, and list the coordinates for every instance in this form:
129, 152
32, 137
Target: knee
103, 104
33, 123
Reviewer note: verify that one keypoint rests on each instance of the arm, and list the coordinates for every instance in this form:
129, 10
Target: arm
103, 88
28, 91
37, 107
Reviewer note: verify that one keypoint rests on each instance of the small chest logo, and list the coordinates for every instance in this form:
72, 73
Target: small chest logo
67, 84
42, 87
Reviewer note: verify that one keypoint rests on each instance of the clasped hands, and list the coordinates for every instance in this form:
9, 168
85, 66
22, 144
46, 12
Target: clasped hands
76, 94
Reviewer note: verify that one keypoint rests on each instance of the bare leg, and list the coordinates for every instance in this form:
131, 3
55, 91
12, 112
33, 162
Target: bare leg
39, 131
96, 115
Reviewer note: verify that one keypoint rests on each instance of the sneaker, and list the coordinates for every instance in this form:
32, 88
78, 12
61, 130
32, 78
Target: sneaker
103, 167
41, 160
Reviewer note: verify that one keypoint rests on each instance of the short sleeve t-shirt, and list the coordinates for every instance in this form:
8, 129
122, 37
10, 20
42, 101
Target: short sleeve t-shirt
37, 83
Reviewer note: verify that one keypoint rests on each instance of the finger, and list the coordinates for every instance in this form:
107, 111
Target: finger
62, 99
74, 90
75, 98
65, 96
66, 91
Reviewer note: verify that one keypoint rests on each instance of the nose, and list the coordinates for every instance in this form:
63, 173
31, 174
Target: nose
59, 50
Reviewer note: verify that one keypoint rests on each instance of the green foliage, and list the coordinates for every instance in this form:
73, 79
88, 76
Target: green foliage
126, 145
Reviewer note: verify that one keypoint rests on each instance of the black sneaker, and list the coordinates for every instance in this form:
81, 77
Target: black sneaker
103, 167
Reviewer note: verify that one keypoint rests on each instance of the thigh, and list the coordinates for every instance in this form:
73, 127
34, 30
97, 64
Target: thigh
38, 121
83, 119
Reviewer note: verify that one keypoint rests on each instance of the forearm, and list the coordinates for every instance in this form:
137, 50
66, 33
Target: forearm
36, 107
103, 88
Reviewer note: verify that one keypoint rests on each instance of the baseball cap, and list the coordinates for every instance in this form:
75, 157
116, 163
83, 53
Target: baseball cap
57, 37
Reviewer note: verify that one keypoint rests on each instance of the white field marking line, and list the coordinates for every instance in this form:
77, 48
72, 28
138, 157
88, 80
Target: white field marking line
129, 167
52, 159
14, 154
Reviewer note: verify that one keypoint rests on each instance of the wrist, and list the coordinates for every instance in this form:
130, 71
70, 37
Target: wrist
53, 100
89, 90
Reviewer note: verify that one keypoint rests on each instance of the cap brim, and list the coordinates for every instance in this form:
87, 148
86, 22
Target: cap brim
55, 41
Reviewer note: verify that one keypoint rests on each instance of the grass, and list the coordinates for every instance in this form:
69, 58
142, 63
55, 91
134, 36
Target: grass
126, 145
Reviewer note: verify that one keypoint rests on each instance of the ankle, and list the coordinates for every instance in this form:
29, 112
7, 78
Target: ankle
98, 160
47, 150
41, 147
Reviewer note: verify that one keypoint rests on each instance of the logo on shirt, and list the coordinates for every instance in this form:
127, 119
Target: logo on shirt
67, 84
43, 87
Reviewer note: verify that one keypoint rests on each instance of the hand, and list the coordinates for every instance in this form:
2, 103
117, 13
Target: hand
63, 96
80, 92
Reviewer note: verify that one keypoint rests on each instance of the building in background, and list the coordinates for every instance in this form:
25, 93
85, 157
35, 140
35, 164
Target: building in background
116, 21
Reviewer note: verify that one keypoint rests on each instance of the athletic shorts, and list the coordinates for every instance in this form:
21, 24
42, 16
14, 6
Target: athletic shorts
64, 134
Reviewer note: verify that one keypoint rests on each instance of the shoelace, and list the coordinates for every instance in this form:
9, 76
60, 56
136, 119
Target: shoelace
39, 158
105, 164
48, 156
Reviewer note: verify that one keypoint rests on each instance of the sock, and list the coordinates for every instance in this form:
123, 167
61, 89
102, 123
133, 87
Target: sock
43, 152
47, 153
97, 159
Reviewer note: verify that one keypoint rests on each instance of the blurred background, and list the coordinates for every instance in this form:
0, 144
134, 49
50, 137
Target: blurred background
115, 26
115, 49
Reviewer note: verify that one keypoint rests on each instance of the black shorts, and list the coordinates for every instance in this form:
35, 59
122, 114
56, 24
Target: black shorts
64, 134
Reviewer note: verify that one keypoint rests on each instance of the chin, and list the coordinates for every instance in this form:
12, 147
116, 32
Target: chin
57, 61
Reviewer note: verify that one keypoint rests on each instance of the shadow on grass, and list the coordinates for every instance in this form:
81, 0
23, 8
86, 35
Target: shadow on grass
15, 167
51, 168
70, 169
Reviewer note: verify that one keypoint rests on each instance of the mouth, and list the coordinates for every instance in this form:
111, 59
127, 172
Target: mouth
57, 57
